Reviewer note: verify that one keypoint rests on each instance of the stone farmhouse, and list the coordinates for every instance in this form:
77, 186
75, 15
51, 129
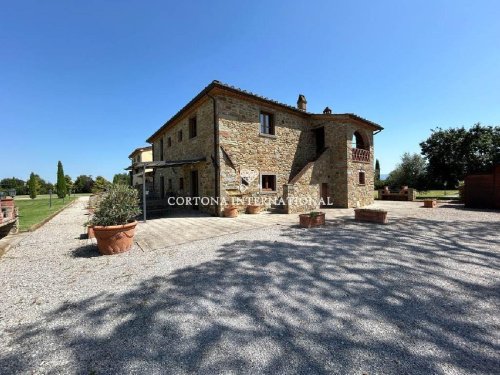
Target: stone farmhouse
141, 155
232, 144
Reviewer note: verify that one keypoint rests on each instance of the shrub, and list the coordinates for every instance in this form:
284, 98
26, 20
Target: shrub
119, 206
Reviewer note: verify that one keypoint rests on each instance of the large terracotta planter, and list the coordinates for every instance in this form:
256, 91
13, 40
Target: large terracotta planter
115, 239
90, 232
230, 211
430, 203
372, 215
309, 221
253, 209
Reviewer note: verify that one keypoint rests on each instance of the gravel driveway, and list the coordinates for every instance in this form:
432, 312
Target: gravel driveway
418, 296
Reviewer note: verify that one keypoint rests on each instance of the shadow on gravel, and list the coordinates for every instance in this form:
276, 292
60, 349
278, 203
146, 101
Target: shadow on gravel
87, 251
353, 298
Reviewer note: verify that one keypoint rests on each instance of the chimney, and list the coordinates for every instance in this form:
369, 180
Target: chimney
302, 103
327, 111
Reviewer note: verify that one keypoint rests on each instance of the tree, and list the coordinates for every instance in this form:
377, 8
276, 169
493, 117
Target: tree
83, 184
100, 185
69, 183
121, 178
411, 171
14, 183
33, 185
452, 154
377, 170
61, 181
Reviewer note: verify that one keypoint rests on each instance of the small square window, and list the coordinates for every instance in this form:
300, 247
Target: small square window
179, 135
361, 177
268, 182
181, 183
266, 123
192, 127
169, 142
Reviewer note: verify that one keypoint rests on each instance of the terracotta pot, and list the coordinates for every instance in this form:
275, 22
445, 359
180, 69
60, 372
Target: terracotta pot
114, 239
253, 209
430, 203
230, 211
90, 232
372, 215
308, 221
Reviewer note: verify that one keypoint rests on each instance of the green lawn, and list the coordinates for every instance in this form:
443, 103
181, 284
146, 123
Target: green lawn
33, 211
437, 194
431, 194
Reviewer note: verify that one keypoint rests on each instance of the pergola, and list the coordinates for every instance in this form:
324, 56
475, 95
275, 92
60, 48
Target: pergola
158, 165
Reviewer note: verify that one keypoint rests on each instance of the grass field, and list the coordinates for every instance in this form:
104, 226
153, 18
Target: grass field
432, 194
34, 211
437, 194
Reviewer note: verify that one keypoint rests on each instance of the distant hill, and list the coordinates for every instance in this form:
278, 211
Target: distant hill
383, 176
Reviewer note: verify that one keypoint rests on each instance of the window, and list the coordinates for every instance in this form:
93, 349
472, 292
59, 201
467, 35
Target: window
169, 142
181, 183
161, 149
266, 123
162, 187
268, 182
361, 177
192, 127
357, 141
179, 135
169, 184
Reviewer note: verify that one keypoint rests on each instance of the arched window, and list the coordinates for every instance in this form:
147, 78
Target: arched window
358, 142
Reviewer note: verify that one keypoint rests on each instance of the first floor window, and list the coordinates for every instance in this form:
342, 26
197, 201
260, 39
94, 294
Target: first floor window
169, 184
266, 123
192, 127
179, 136
181, 183
268, 182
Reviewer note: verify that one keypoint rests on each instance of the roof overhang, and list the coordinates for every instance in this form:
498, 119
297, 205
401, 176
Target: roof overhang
164, 163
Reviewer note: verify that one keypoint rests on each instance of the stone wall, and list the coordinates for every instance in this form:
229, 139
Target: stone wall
244, 148
359, 195
197, 147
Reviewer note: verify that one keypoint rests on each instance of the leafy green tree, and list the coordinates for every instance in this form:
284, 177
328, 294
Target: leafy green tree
33, 186
69, 183
454, 153
61, 181
411, 171
14, 183
83, 184
121, 178
100, 185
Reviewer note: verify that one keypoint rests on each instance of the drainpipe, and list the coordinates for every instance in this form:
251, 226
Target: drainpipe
216, 153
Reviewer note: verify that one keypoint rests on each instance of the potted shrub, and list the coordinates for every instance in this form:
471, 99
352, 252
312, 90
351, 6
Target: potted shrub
230, 211
114, 220
253, 208
312, 219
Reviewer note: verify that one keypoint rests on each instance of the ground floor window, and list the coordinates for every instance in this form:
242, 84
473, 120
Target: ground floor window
361, 177
268, 182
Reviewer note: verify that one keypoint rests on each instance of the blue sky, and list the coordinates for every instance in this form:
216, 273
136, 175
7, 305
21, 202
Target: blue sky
86, 82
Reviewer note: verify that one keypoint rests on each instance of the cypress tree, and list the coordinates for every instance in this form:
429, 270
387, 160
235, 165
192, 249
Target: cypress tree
377, 171
61, 181
33, 186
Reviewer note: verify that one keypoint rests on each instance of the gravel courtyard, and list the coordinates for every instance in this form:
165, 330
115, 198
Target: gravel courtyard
418, 296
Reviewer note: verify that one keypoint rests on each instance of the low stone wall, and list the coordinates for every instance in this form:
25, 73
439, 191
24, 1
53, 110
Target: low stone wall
405, 194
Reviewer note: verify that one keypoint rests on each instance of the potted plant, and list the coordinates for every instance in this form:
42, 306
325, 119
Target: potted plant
312, 219
114, 219
253, 208
230, 211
